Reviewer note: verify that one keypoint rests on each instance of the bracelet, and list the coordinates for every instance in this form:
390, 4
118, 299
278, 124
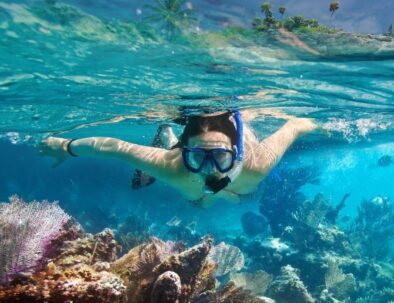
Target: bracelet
68, 148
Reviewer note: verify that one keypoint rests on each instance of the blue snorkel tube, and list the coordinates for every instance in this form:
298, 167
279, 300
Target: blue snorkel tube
240, 133
214, 185
236, 170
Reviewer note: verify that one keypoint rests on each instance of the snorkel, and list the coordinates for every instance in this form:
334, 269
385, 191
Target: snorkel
214, 184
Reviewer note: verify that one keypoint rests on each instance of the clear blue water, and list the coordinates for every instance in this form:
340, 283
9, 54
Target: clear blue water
66, 72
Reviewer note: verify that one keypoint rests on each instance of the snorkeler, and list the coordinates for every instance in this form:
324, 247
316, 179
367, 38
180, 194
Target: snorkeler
217, 156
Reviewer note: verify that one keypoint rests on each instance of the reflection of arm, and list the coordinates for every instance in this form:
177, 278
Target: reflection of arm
269, 151
157, 162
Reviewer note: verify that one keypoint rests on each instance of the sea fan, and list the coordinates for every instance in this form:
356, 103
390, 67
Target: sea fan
257, 282
227, 257
25, 232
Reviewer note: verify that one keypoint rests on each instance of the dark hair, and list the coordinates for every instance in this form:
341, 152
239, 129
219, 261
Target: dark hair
196, 125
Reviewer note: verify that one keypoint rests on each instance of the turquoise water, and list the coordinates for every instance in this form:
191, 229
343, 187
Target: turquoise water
66, 72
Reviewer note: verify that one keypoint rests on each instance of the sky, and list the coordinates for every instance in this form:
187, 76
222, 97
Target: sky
364, 16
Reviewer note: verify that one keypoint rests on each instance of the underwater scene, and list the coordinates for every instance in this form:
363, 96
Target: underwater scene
198, 151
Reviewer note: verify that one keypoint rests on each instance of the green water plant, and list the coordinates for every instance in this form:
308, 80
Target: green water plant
172, 14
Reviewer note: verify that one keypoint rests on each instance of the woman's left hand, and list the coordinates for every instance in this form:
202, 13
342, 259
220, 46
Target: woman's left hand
55, 148
303, 125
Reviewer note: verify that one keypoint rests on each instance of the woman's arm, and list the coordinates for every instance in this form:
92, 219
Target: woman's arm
157, 162
268, 152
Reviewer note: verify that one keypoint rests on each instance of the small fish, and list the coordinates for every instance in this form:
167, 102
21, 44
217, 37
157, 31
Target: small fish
175, 221
141, 179
277, 245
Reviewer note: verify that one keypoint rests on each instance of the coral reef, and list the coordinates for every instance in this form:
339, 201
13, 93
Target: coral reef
310, 259
282, 197
194, 267
167, 288
132, 232
340, 285
230, 293
182, 231
288, 288
167, 271
373, 226
83, 268
136, 267
75, 273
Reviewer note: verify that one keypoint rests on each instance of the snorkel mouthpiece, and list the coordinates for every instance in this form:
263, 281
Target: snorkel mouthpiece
214, 184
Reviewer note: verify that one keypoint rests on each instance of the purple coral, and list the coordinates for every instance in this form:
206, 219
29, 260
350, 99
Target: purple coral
25, 232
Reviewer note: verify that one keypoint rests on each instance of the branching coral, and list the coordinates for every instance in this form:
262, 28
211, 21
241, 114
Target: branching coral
282, 196
373, 228
132, 232
288, 288
341, 285
136, 267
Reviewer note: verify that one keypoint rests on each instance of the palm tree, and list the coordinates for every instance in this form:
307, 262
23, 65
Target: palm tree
282, 11
334, 6
172, 14
266, 9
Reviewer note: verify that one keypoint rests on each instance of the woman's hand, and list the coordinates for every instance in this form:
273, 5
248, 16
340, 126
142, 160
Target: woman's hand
56, 148
303, 125
307, 125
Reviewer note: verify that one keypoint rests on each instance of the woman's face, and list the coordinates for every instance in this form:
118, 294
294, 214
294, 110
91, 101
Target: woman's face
210, 140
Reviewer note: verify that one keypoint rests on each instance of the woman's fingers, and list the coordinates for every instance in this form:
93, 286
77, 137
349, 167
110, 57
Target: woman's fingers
52, 147
325, 131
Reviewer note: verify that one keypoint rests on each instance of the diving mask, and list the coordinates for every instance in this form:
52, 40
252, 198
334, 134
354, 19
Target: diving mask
198, 159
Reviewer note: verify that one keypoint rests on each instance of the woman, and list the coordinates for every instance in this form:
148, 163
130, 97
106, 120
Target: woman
216, 156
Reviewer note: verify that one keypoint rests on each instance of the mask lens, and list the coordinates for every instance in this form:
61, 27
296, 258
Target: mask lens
195, 158
224, 159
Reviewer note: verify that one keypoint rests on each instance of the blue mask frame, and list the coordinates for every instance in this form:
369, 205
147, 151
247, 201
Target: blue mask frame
208, 156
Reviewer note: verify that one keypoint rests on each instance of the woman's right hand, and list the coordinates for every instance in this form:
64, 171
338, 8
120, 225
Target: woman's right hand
56, 148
